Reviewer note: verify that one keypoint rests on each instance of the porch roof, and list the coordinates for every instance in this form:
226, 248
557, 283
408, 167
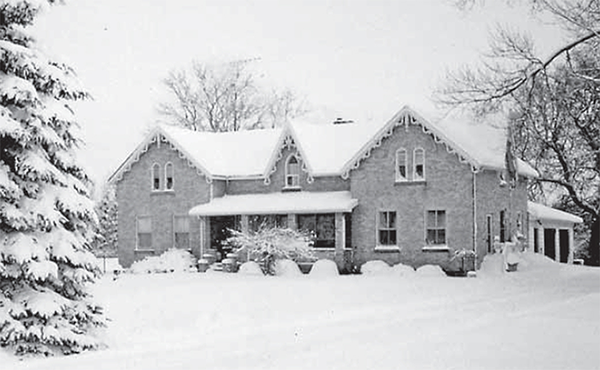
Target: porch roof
277, 203
542, 212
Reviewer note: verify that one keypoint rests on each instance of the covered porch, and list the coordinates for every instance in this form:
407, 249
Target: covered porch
326, 214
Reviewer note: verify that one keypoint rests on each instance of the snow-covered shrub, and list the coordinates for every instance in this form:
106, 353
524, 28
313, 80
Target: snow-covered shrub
403, 270
172, 260
46, 215
431, 271
324, 268
250, 268
268, 245
376, 267
285, 267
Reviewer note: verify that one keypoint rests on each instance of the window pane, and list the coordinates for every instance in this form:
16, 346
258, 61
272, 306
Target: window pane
441, 219
392, 237
419, 171
383, 220
431, 219
431, 236
401, 163
383, 237
326, 227
441, 236
307, 222
144, 240
156, 177
392, 220
144, 224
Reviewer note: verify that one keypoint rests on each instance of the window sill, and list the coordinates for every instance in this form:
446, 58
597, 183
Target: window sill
323, 249
162, 192
410, 182
143, 251
291, 188
436, 248
387, 248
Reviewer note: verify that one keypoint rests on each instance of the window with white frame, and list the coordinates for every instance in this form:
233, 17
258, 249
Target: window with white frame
144, 232
419, 164
169, 176
292, 172
436, 227
155, 176
401, 165
386, 228
322, 226
181, 232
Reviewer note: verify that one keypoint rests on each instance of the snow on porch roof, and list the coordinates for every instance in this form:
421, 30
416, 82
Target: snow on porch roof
277, 203
542, 212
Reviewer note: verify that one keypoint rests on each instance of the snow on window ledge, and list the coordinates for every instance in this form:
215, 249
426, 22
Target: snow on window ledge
158, 192
387, 248
323, 249
436, 248
410, 182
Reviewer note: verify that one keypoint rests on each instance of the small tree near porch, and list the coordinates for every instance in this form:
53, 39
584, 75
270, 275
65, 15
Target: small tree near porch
270, 244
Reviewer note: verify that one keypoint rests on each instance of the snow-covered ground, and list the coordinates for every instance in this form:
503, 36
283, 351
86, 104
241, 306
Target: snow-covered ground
544, 316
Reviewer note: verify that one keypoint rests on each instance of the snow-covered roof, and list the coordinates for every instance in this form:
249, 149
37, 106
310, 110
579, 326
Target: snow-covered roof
277, 203
326, 149
542, 212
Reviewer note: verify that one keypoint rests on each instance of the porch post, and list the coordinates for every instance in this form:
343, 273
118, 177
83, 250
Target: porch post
245, 223
340, 239
571, 246
542, 240
201, 224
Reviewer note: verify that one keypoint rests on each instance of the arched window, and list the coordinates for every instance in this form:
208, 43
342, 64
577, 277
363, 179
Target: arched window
292, 172
169, 176
155, 176
419, 164
401, 165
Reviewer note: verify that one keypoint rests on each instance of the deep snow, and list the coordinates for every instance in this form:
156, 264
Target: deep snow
544, 316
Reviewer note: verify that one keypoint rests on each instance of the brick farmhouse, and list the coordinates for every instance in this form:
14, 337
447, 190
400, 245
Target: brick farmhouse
408, 191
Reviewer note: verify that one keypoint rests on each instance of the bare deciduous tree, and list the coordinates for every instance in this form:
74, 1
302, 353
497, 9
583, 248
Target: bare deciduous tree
224, 97
554, 104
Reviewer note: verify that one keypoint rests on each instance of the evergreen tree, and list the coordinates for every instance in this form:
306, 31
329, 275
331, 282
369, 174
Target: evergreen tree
106, 209
46, 215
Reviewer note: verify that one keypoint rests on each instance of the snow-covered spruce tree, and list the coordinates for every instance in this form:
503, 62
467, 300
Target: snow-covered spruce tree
46, 215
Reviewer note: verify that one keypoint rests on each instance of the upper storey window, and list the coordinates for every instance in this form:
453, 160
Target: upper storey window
292, 172
419, 165
401, 165
155, 176
169, 176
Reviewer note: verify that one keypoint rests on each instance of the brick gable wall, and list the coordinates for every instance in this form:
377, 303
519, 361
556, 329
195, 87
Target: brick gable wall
135, 198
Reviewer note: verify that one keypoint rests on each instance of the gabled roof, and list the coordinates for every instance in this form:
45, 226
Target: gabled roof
542, 212
325, 149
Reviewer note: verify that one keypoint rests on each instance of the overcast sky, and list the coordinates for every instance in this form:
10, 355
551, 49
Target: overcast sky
360, 60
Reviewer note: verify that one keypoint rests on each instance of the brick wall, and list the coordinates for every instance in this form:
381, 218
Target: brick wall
135, 198
329, 183
493, 198
448, 187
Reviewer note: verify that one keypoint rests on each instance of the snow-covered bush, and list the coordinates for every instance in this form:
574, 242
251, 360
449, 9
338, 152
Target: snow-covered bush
376, 267
403, 270
430, 271
268, 245
324, 268
46, 215
250, 268
285, 267
172, 260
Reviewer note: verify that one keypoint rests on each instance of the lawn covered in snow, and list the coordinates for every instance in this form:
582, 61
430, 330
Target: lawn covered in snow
544, 316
